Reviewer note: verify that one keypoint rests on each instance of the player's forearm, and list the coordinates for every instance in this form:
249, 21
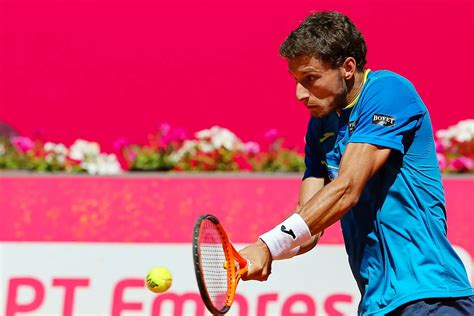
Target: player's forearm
309, 187
359, 163
328, 205
296, 233
309, 245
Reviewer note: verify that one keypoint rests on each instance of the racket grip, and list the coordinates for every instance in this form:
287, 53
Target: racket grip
224, 265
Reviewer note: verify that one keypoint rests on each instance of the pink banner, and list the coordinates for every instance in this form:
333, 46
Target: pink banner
163, 208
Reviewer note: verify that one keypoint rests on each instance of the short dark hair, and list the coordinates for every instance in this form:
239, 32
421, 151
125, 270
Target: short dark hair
329, 36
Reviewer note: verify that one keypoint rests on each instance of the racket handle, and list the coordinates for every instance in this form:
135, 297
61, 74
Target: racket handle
224, 265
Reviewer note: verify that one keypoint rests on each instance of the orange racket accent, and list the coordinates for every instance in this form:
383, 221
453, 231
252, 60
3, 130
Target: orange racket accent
212, 247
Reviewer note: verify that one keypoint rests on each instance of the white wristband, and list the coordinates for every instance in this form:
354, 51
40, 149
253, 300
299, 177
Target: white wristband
284, 240
288, 254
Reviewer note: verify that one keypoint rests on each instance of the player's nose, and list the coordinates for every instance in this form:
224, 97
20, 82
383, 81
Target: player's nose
301, 92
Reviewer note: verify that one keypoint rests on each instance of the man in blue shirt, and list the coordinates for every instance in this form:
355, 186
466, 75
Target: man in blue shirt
370, 163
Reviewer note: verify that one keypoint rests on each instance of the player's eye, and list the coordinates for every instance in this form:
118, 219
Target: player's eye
308, 81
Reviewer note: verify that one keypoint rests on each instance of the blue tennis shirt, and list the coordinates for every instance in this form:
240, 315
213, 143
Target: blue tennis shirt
395, 236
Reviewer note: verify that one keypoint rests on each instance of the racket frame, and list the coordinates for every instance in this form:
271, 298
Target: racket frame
235, 270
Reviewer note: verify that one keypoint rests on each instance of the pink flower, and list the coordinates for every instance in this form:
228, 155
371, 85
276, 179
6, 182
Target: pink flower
120, 143
164, 128
131, 155
22, 143
173, 135
271, 135
462, 164
439, 146
442, 162
252, 148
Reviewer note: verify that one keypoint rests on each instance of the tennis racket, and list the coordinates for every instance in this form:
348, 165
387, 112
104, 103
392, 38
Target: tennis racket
218, 266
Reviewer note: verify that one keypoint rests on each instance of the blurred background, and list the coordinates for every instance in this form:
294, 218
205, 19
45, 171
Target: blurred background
110, 108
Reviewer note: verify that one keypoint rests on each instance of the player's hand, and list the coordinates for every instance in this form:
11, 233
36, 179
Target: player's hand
260, 259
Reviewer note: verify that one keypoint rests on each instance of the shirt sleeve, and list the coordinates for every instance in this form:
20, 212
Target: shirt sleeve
390, 113
313, 151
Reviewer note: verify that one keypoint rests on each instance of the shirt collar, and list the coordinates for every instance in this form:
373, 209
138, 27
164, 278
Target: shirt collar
366, 73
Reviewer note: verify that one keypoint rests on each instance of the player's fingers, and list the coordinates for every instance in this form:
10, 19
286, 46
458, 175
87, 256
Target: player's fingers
257, 273
251, 274
248, 275
260, 266
261, 277
265, 274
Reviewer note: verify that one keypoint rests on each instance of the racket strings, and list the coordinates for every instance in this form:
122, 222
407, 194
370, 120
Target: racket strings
212, 260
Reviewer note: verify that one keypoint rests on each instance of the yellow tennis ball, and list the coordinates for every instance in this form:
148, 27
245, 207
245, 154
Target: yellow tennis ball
158, 279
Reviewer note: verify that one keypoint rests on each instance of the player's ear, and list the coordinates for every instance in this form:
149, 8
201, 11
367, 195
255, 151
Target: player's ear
349, 68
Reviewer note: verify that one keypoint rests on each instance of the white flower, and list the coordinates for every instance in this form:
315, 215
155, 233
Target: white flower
61, 159
218, 137
463, 136
60, 149
207, 141
463, 131
49, 158
225, 138
103, 164
84, 150
88, 153
49, 146
205, 133
189, 146
2, 150
206, 147
56, 152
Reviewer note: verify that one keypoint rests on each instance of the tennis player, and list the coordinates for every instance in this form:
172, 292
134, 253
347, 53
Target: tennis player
370, 163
